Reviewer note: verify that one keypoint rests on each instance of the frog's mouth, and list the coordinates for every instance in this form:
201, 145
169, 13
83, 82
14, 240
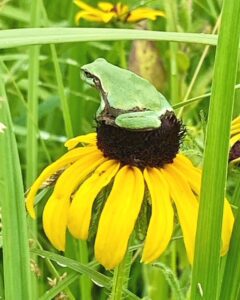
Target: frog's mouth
153, 148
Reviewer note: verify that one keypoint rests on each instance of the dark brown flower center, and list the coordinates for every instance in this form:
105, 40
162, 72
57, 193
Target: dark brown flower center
235, 151
152, 148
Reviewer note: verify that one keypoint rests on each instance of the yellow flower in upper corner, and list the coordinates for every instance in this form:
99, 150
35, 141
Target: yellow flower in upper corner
108, 12
127, 163
234, 155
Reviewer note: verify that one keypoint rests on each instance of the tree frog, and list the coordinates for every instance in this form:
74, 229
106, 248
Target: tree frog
127, 100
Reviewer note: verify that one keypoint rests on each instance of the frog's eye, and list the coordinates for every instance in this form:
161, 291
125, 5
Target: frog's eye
87, 74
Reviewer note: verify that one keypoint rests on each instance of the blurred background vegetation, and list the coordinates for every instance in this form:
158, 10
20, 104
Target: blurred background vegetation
179, 71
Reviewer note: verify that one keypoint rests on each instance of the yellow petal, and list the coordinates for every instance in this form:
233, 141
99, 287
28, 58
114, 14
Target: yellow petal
144, 13
235, 128
234, 161
119, 216
235, 131
93, 14
87, 16
161, 223
228, 220
105, 6
70, 179
234, 139
186, 204
236, 120
79, 215
193, 176
90, 138
56, 210
107, 17
191, 173
54, 221
66, 159
122, 11
86, 7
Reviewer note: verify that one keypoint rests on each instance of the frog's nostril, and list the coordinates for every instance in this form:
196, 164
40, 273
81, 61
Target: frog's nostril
153, 148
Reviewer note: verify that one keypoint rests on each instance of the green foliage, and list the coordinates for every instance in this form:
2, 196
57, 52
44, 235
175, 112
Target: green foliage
48, 102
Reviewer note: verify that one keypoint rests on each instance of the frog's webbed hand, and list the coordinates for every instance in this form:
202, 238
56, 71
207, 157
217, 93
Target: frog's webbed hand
139, 120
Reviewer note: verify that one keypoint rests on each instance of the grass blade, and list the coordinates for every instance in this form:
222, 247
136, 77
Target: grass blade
171, 279
95, 276
34, 36
62, 95
15, 243
231, 279
63, 284
206, 262
32, 130
32, 123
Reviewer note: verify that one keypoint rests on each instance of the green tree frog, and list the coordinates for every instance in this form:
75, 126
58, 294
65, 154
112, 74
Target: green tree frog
127, 100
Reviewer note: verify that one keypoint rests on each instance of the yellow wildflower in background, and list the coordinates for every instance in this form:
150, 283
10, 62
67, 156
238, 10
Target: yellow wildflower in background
234, 156
108, 12
91, 167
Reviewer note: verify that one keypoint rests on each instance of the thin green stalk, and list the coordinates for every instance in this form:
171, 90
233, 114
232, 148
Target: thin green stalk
25, 105
155, 284
171, 12
174, 73
198, 68
80, 252
32, 123
63, 284
231, 279
15, 241
63, 97
120, 278
172, 280
122, 55
59, 78
197, 98
33, 75
55, 273
207, 250
85, 283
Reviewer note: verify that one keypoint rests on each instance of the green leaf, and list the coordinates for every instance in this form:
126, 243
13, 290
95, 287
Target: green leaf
96, 277
16, 261
231, 279
171, 279
208, 239
62, 284
35, 36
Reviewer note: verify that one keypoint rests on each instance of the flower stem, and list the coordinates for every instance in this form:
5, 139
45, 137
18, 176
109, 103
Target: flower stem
156, 286
120, 277
171, 11
32, 126
123, 61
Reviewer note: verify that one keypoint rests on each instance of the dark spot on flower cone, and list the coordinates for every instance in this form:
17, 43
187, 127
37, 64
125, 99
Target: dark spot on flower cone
235, 151
153, 148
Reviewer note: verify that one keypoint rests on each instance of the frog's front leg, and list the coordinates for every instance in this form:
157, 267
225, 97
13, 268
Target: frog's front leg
139, 120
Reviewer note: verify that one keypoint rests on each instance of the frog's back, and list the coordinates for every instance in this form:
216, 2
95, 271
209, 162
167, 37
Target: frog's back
123, 85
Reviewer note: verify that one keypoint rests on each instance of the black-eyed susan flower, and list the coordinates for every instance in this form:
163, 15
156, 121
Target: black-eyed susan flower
107, 12
234, 155
131, 164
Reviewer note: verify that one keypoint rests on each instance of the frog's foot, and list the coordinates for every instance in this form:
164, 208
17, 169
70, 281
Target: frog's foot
142, 148
139, 120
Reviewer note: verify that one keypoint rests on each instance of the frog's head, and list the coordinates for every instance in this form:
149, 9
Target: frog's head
90, 72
